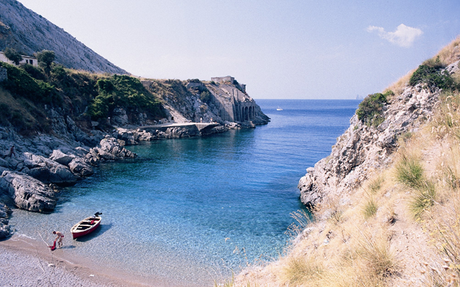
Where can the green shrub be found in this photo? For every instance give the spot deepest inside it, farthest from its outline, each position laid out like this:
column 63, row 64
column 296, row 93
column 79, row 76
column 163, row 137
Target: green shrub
column 376, row 184
column 22, row 84
column 122, row 91
column 370, row 208
column 370, row 110
column 205, row 97
column 13, row 55
column 45, row 58
column 424, row 199
column 34, row 72
column 431, row 73
column 409, row 172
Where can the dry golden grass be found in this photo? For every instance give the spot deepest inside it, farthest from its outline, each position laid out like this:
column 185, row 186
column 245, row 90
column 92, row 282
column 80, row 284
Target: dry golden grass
column 399, row 86
column 450, row 53
column 402, row 227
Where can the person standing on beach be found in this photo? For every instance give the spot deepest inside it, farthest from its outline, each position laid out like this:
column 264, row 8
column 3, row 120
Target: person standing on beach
column 58, row 239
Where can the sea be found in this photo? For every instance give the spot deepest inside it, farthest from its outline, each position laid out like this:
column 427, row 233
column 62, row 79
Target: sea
column 195, row 211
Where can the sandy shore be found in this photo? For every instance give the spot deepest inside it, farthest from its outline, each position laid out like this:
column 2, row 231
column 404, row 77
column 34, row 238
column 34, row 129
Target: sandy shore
column 27, row 262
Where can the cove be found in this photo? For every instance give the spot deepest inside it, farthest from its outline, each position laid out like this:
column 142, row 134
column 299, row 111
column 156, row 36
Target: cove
column 194, row 210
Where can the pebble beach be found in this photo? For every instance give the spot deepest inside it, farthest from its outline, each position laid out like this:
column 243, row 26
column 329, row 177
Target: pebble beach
column 26, row 262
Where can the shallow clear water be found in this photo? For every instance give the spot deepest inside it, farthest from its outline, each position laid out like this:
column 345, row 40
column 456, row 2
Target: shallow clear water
column 193, row 210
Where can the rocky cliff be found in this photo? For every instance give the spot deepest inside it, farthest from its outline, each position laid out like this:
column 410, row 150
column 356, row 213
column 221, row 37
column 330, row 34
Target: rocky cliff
column 365, row 148
column 28, row 32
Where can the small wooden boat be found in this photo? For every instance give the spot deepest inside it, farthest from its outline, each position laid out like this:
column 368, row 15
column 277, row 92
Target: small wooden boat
column 86, row 226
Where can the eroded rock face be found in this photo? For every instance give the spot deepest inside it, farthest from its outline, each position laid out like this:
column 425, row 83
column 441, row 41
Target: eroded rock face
column 362, row 149
column 27, row 192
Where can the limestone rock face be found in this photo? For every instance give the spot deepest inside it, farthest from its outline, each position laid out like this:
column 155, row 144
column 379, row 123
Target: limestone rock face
column 362, row 149
column 225, row 103
column 27, row 192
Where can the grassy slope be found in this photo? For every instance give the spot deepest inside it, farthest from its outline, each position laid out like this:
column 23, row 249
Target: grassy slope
column 402, row 227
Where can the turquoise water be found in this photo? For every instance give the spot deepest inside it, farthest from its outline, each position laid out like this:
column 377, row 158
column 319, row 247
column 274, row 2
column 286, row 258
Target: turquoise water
column 194, row 210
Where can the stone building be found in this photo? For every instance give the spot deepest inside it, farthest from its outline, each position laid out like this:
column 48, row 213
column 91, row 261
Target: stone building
column 25, row 60
column 228, row 79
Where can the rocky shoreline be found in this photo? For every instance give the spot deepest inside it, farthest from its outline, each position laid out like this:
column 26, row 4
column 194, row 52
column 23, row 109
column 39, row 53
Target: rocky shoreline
column 33, row 169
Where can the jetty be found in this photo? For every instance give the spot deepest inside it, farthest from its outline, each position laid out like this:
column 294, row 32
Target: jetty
column 201, row 127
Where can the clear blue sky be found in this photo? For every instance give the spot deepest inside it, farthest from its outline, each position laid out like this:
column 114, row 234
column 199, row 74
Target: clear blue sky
column 280, row 49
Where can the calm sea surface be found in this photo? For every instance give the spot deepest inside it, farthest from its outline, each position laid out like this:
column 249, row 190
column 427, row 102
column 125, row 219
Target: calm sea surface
column 194, row 210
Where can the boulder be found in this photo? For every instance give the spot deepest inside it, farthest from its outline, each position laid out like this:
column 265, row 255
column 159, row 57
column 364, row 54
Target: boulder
column 80, row 168
column 60, row 157
column 109, row 149
column 27, row 192
column 48, row 171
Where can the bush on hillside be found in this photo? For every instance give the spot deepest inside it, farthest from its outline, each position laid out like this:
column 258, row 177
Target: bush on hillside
column 205, row 97
column 432, row 73
column 13, row 55
column 34, row 72
column 22, row 84
column 45, row 58
column 370, row 110
column 122, row 91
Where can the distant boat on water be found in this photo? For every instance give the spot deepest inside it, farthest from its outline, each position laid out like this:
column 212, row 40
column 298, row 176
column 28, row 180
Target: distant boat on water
column 279, row 109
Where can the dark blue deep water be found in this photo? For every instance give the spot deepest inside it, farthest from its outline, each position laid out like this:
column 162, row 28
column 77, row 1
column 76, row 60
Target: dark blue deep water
column 194, row 210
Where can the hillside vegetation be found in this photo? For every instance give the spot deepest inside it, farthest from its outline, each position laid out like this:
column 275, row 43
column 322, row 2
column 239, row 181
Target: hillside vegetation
column 29, row 94
column 402, row 225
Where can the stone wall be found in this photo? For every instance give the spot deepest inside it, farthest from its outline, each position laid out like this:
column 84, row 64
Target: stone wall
column 223, row 79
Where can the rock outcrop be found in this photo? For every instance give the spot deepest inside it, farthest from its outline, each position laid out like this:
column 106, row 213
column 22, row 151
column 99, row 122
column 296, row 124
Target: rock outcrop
column 362, row 149
column 29, row 179
column 110, row 149
column 28, row 32
column 198, row 101
column 27, row 192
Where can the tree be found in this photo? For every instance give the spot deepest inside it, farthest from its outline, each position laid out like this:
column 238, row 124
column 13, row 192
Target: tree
column 45, row 58
column 13, row 55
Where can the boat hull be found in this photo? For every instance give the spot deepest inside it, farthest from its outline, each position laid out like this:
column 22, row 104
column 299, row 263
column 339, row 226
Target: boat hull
column 85, row 227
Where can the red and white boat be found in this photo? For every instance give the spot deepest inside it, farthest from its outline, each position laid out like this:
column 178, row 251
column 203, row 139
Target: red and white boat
column 86, row 226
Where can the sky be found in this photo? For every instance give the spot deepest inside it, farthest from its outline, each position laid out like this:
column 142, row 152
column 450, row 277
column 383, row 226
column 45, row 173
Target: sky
column 286, row 49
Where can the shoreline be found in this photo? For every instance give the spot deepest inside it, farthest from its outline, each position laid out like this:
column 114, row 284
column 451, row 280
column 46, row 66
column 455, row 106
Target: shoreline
column 29, row 262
